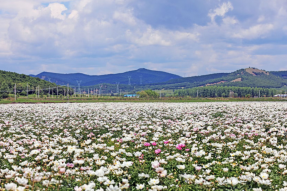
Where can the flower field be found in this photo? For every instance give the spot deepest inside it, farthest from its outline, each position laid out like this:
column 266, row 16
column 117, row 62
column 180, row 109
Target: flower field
column 143, row 146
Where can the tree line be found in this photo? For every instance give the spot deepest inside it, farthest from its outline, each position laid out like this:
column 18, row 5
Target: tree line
column 224, row 91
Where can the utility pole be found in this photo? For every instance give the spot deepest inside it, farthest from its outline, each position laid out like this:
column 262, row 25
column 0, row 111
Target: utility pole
column 197, row 94
column 27, row 91
column 160, row 93
column 88, row 92
column 57, row 92
column 100, row 90
column 259, row 93
column 49, row 92
column 79, row 86
column 15, row 92
column 68, row 92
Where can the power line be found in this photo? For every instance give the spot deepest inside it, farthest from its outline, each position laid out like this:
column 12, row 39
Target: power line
column 118, row 83
column 79, row 85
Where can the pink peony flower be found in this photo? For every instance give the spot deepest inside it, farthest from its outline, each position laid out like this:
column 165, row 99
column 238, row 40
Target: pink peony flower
column 147, row 144
column 157, row 151
column 166, row 142
column 182, row 145
column 154, row 143
column 70, row 165
column 178, row 147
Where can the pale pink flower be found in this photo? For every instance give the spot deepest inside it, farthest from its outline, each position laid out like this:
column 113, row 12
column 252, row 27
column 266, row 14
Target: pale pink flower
column 154, row 143
column 198, row 168
column 62, row 170
column 78, row 188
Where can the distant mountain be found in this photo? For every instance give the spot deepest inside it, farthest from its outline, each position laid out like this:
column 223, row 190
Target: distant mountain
column 249, row 77
column 195, row 79
column 137, row 77
column 282, row 74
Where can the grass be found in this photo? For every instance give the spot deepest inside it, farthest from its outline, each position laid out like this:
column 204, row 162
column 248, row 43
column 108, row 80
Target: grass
column 121, row 99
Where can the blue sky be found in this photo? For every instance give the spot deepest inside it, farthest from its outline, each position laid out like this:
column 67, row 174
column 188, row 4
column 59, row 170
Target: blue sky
column 186, row 37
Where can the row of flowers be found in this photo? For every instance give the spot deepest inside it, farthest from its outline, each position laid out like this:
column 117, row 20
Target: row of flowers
column 144, row 146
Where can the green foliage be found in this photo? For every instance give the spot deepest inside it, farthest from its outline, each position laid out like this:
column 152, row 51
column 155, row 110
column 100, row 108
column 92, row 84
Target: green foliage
column 142, row 94
column 5, row 95
column 148, row 93
column 9, row 79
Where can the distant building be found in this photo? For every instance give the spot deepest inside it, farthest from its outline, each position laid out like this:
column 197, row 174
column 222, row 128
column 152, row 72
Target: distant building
column 131, row 95
column 281, row 95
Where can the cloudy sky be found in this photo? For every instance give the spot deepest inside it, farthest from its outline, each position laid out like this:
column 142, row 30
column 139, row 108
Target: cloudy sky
column 185, row 37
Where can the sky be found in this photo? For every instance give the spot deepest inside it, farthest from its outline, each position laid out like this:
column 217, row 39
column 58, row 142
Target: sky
column 185, row 37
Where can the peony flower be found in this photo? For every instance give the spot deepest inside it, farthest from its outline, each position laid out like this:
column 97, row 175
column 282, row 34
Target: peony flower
column 62, row 170
column 155, row 164
column 147, row 144
column 264, row 175
column 233, row 181
column 157, row 151
column 225, row 169
column 154, row 143
column 181, row 167
column 22, row 181
column 11, row 186
column 78, row 188
column 100, row 173
column 153, row 182
column 140, row 186
column 198, row 168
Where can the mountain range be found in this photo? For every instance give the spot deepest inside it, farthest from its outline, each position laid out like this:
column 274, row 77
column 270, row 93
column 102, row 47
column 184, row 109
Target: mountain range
column 150, row 79
column 135, row 77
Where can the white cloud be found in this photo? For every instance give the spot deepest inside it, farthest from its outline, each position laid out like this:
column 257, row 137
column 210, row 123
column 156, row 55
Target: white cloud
column 73, row 15
column 148, row 37
column 56, row 10
column 257, row 31
column 220, row 11
column 125, row 17
column 93, row 33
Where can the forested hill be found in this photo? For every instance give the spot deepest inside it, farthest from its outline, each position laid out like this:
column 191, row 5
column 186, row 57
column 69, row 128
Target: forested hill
column 195, row 79
column 9, row 79
column 249, row 77
column 137, row 77
column 282, row 74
